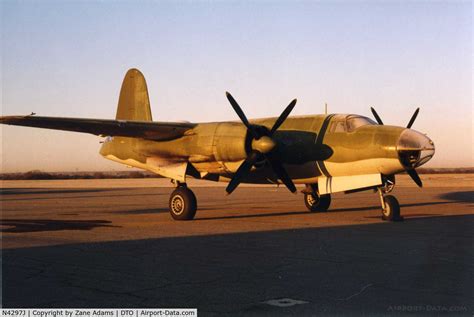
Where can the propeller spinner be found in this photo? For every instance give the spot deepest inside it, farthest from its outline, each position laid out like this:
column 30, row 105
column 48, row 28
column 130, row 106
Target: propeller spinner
column 263, row 146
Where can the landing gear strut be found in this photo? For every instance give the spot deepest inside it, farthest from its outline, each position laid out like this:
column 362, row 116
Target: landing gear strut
column 183, row 203
column 390, row 205
column 314, row 201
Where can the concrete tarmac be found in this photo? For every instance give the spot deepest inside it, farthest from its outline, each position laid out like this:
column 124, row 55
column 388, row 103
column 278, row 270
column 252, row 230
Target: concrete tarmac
column 256, row 252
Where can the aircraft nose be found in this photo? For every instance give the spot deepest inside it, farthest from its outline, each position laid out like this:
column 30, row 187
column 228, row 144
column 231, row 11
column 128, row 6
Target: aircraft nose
column 414, row 148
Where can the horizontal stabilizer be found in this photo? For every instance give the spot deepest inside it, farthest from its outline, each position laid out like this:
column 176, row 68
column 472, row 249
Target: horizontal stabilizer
column 156, row 131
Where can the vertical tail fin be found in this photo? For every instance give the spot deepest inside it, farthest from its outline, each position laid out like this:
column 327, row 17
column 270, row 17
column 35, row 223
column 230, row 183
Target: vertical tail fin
column 134, row 103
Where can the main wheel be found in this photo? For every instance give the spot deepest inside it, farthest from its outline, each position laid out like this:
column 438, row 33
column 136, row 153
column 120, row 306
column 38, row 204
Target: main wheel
column 392, row 209
column 316, row 203
column 183, row 204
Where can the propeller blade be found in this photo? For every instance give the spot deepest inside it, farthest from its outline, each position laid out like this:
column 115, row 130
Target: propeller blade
column 241, row 114
column 283, row 116
column 376, row 116
column 242, row 171
column 414, row 175
column 281, row 173
column 413, row 117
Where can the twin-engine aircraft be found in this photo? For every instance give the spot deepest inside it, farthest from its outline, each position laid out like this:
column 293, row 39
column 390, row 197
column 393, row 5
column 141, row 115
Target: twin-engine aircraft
column 327, row 153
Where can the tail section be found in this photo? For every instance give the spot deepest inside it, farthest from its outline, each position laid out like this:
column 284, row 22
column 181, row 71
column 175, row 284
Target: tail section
column 134, row 103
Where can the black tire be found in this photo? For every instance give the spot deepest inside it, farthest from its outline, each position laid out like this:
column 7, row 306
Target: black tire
column 316, row 203
column 182, row 204
column 392, row 209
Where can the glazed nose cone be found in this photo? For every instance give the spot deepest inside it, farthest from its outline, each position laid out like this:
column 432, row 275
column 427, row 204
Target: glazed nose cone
column 414, row 148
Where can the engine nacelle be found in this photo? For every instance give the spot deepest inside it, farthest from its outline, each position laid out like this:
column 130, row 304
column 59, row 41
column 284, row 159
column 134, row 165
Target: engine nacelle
column 230, row 142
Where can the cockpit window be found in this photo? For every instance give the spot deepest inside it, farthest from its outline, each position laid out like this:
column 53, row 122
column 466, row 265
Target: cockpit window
column 338, row 126
column 354, row 122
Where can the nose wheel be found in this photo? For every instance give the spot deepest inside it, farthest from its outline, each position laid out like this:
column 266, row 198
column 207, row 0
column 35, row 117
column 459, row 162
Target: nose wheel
column 390, row 207
column 183, row 203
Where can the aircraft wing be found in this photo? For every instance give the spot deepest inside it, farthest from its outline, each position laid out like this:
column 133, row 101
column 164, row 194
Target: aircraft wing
column 156, row 131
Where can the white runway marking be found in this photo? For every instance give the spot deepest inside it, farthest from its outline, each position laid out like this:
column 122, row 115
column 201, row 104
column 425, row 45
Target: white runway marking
column 284, row 302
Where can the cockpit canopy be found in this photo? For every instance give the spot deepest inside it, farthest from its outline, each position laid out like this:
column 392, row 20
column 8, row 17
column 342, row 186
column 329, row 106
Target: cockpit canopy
column 349, row 123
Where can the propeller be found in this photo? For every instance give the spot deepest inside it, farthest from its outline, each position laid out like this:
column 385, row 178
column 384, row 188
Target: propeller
column 416, row 178
column 410, row 123
column 410, row 171
column 413, row 117
column 263, row 147
column 376, row 115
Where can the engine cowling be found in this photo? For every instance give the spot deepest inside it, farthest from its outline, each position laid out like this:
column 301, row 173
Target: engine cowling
column 230, row 142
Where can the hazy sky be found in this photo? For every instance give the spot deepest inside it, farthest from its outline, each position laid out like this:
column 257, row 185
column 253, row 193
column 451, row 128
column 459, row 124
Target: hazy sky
column 67, row 58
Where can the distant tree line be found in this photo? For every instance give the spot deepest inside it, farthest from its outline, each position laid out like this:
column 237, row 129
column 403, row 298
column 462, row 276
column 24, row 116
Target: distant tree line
column 37, row 174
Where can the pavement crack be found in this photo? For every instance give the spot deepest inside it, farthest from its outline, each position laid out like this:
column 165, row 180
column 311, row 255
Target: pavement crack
column 355, row 294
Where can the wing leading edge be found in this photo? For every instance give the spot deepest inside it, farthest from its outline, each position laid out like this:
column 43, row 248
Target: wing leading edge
column 155, row 131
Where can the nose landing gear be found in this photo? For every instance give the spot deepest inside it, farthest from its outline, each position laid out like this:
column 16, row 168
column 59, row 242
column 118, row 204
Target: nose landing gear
column 390, row 205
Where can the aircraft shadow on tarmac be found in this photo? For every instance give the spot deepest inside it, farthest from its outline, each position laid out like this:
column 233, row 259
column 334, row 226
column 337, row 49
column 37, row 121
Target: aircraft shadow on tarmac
column 364, row 269
column 463, row 196
column 48, row 194
column 39, row 225
column 42, row 191
column 453, row 197
column 141, row 211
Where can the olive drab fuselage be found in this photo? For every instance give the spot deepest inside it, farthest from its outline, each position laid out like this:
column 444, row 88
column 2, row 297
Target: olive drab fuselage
column 302, row 149
column 309, row 146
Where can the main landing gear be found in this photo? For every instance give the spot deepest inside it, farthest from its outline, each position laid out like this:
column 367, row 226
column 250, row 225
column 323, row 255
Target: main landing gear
column 390, row 205
column 314, row 201
column 183, row 203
